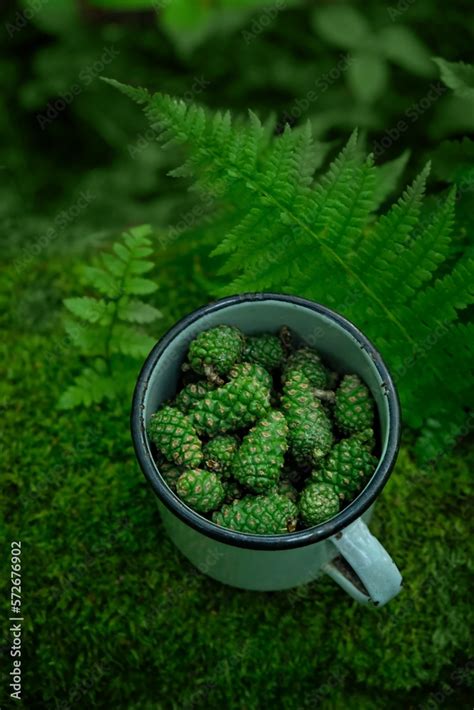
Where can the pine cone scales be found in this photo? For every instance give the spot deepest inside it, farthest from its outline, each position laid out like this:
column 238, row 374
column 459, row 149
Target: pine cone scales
column 174, row 435
column 219, row 453
column 265, row 350
column 347, row 468
column 310, row 432
column 191, row 394
column 308, row 363
column 259, row 460
column 262, row 515
column 217, row 348
column 201, row 490
column 318, row 502
column 250, row 369
column 237, row 404
column 255, row 444
column 354, row 410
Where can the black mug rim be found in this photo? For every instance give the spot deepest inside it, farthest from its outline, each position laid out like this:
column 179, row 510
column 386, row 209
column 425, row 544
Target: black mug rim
column 247, row 540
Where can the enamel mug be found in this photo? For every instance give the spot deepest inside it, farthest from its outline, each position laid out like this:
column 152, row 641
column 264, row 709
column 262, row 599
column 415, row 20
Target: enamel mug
column 342, row 547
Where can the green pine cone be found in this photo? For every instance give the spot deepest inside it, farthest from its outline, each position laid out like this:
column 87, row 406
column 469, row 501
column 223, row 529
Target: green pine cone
column 216, row 349
column 201, row 490
column 347, row 468
column 170, row 473
column 310, row 431
column 258, row 462
column 219, row 452
column 367, row 438
column 262, row 515
column 318, row 502
column 190, row 394
column 354, row 408
column 309, row 363
column 250, row 369
column 265, row 350
column 237, row 404
column 175, row 437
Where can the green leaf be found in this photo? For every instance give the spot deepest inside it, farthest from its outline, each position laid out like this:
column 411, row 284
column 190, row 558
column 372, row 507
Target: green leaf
column 92, row 310
column 393, row 229
column 426, row 251
column 457, row 76
column 139, row 266
column 138, row 312
column 401, row 46
column 135, row 286
column 114, row 265
column 92, row 386
column 95, row 331
column 122, row 252
column 367, row 76
column 100, row 279
column 342, row 26
column 54, row 18
column 88, row 338
column 131, row 342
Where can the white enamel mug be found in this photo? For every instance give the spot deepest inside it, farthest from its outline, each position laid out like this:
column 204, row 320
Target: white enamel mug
column 341, row 547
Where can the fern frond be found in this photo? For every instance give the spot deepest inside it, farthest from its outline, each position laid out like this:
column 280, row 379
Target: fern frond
column 92, row 386
column 427, row 251
column 101, row 279
column 395, row 275
column 390, row 234
column 452, row 292
column 136, row 311
column 99, row 328
column 129, row 341
column 87, row 338
column 92, row 310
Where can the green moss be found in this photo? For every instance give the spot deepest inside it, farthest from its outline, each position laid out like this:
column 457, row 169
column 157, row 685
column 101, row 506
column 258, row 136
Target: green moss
column 116, row 617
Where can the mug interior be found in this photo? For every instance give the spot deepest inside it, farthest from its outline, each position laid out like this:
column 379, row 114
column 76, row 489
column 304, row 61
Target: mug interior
column 340, row 344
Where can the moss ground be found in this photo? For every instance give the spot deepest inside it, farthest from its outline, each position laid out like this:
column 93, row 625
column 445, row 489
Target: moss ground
column 115, row 617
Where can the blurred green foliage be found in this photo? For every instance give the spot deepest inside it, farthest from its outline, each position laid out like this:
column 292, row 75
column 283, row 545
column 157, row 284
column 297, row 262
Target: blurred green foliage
column 115, row 616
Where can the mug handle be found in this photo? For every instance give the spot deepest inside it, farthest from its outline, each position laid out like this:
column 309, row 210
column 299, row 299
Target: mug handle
column 363, row 567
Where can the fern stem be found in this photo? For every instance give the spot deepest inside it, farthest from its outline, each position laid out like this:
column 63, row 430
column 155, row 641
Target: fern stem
column 113, row 320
